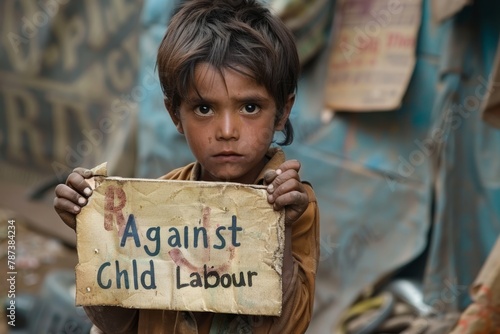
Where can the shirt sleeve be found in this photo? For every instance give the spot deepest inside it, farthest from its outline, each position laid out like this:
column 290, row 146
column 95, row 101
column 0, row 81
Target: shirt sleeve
column 298, row 297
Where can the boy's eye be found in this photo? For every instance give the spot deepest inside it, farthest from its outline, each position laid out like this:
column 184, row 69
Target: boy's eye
column 250, row 109
column 203, row 110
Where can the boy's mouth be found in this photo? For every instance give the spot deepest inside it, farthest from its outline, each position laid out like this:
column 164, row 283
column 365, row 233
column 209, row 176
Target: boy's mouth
column 227, row 153
column 228, row 156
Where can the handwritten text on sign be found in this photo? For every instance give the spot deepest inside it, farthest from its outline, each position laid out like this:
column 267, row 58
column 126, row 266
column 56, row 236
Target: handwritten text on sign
column 180, row 245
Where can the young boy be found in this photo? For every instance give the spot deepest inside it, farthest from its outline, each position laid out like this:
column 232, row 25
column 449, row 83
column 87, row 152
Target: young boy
column 229, row 71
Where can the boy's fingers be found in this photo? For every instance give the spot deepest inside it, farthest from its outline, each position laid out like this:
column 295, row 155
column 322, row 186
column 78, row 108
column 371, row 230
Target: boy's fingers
column 67, row 210
column 84, row 172
column 65, row 192
column 281, row 179
column 269, row 176
column 290, row 185
column 289, row 164
column 63, row 205
column 77, row 182
column 293, row 198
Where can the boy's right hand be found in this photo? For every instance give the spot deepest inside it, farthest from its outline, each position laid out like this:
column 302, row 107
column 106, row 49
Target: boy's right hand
column 72, row 196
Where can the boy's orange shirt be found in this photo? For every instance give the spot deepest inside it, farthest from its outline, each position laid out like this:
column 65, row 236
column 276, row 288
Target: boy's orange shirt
column 299, row 297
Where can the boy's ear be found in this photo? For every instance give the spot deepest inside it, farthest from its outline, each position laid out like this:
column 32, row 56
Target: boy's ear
column 173, row 116
column 286, row 113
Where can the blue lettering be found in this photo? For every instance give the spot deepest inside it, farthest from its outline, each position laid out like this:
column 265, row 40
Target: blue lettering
column 221, row 238
column 119, row 274
column 175, row 239
column 99, row 275
column 196, row 236
column 130, row 231
column 234, row 230
column 155, row 238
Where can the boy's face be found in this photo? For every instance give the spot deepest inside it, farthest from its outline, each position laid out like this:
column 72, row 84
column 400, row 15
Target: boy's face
column 230, row 125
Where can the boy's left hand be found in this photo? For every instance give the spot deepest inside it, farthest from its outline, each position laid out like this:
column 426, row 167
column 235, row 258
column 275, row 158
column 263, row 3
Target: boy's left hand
column 285, row 190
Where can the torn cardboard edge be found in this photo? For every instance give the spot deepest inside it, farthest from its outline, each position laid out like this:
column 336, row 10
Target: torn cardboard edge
column 100, row 173
column 486, row 287
column 481, row 316
column 152, row 261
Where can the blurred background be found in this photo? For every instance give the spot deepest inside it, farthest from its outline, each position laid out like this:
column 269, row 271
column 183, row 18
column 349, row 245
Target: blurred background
column 397, row 123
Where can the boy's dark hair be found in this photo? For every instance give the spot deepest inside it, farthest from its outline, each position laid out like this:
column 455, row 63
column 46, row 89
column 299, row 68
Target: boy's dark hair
column 228, row 34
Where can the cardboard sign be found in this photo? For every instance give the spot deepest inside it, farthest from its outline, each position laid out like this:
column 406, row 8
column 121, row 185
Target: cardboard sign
column 180, row 245
column 373, row 58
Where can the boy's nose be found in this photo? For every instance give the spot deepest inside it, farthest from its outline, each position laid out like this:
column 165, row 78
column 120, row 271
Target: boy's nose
column 228, row 127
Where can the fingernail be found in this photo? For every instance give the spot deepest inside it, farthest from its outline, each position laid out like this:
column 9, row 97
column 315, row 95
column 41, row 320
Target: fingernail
column 270, row 198
column 87, row 191
column 82, row 200
column 278, row 171
column 76, row 208
column 270, row 187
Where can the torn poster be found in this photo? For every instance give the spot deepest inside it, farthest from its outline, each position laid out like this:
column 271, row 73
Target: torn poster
column 373, row 57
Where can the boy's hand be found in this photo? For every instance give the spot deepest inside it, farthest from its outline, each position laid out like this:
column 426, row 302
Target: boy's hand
column 286, row 191
column 72, row 196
